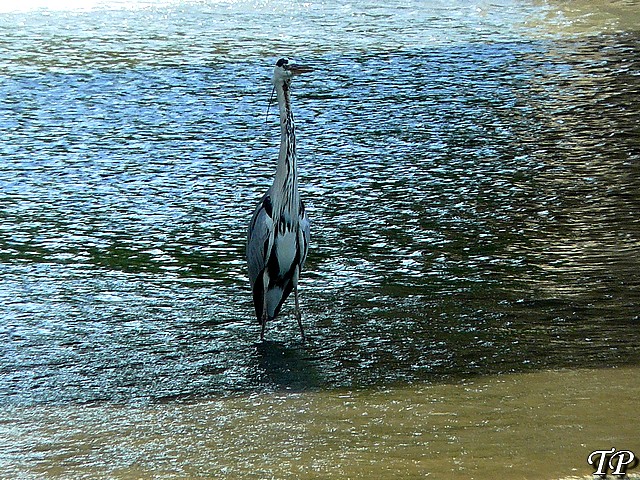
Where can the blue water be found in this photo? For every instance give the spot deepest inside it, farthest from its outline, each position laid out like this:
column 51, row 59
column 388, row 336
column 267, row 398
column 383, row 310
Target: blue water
column 471, row 173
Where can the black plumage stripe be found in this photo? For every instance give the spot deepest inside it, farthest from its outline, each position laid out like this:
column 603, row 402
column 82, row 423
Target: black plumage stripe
column 268, row 207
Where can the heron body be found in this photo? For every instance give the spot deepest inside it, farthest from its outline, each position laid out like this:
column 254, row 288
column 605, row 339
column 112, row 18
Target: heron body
column 278, row 235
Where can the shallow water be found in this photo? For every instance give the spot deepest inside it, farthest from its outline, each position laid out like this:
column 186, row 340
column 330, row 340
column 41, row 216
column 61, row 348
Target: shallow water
column 471, row 172
column 526, row 426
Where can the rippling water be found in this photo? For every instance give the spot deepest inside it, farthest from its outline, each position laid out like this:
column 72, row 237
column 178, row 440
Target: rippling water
column 472, row 173
column 533, row 426
column 475, row 204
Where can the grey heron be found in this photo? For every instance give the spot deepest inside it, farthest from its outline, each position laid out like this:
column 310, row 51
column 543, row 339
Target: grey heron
column 278, row 235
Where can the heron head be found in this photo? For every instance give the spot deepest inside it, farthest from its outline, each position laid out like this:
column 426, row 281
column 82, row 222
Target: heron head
column 285, row 70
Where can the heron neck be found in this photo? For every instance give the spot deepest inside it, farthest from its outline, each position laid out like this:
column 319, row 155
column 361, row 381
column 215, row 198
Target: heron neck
column 286, row 179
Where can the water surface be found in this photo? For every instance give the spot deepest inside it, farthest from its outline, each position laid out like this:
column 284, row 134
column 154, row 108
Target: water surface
column 472, row 173
column 531, row 426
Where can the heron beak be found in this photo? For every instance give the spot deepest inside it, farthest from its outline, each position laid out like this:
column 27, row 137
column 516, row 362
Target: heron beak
column 298, row 69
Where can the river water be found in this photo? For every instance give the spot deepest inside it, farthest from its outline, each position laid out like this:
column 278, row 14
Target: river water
column 472, row 176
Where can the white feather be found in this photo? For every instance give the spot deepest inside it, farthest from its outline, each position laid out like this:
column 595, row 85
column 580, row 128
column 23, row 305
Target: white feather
column 286, row 251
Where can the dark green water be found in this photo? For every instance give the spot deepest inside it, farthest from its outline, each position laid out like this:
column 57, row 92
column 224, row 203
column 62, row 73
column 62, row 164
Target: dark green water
column 475, row 206
column 472, row 175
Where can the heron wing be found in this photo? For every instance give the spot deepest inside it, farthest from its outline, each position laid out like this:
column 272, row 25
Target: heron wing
column 259, row 238
column 304, row 235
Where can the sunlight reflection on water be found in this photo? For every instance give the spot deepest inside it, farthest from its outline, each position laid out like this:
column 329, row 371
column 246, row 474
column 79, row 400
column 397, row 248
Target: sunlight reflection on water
column 474, row 204
column 540, row 425
column 471, row 172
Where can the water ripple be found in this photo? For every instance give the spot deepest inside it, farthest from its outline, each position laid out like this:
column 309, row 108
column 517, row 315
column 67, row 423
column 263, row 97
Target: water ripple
column 474, row 208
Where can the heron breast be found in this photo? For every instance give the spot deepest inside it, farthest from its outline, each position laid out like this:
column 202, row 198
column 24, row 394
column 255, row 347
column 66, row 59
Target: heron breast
column 286, row 245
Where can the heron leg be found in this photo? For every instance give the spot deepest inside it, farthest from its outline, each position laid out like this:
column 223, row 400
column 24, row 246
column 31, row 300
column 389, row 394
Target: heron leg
column 262, row 327
column 298, row 313
column 265, row 315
